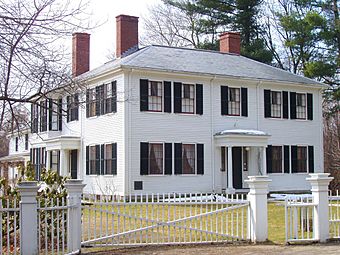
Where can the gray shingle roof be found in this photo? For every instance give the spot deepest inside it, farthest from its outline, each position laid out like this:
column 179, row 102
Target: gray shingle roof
column 186, row 60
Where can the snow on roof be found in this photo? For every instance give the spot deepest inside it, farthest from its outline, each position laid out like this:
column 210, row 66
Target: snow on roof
column 242, row 132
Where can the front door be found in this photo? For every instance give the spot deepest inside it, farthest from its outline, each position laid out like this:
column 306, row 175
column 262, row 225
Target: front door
column 74, row 163
column 237, row 167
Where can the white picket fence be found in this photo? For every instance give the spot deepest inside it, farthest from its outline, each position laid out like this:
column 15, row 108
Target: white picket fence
column 163, row 219
column 334, row 214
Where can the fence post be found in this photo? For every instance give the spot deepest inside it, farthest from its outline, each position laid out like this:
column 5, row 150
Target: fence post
column 74, row 191
column 28, row 217
column 319, row 183
column 258, row 212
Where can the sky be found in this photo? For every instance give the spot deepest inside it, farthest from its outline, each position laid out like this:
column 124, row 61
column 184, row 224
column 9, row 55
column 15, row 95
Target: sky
column 103, row 38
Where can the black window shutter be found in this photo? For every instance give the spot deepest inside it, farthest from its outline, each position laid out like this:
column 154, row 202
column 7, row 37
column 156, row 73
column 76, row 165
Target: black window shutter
column 97, row 101
column 311, row 159
column 32, row 116
column 267, row 104
column 98, row 159
column 244, row 99
column 168, row 159
column 68, row 108
column 224, row 100
column 199, row 99
column 167, row 96
column 144, row 158
column 144, row 92
column 76, row 101
column 114, row 158
column 200, row 159
column 285, row 104
column 102, row 160
column 286, row 164
column 178, row 158
column 87, row 160
column 101, row 98
column 60, row 113
column 87, row 103
column 269, row 159
column 114, row 96
column 310, row 106
column 293, row 105
column 50, row 166
column 294, row 158
column 177, row 97
column 50, row 112
column 31, row 155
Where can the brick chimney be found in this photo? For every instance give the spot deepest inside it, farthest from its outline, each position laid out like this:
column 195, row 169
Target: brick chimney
column 230, row 42
column 127, row 34
column 80, row 53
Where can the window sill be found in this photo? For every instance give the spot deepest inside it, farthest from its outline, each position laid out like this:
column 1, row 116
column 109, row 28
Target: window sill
column 188, row 114
column 235, row 116
column 156, row 112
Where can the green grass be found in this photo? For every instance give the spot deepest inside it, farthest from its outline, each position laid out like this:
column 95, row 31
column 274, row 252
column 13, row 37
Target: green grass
column 276, row 223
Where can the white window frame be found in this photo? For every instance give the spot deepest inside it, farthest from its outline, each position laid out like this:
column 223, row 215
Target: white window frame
column 193, row 99
column 240, row 103
column 301, row 107
column 163, row 167
column 195, row 160
column 150, row 97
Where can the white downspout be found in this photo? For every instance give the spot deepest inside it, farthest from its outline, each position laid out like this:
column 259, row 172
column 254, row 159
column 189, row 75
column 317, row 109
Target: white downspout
column 212, row 134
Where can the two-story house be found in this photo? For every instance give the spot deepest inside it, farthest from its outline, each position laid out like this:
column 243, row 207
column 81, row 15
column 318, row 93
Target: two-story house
column 165, row 119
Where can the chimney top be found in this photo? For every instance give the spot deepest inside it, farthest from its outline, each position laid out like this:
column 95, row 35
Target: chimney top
column 80, row 53
column 230, row 42
column 126, row 34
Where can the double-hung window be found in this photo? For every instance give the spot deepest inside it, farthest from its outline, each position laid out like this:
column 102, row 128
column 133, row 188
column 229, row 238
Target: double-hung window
column 55, row 160
column 54, row 119
column 234, row 101
column 92, row 160
column 188, row 158
column 91, row 102
column 301, row 159
column 300, row 106
column 34, row 118
column 155, row 96
column 276, row 104
column 110, row 97
column 188, row 98
column 43, row 116
column 277, row 159
column 110, row 156
column 72, row 107
column 156, row 158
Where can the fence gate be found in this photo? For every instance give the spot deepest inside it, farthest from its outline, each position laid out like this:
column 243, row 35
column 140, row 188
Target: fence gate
column 163, row 219
column 299, row 219
column 334, row 215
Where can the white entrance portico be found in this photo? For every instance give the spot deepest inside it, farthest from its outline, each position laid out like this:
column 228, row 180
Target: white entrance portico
column 243, row 153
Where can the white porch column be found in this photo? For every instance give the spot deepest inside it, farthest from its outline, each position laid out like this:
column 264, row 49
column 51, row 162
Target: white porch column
column 264, row 161
column 28, row 217
column 62, row 162
column 230, row 171
column 319, row 183
column 258, row 211
column 48, row 160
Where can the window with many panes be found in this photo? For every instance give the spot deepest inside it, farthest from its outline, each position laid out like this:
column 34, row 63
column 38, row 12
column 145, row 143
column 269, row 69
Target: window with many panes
column 188, row 98
column 234, row 101
column 43, row 116
column 155, row 96
column 54, row 118
column 276, row 159
column 35, row 118
column 72, row 107
column 108, row 159
column 188, row 158
column 301, row 159
column 276, row 104
column 91, row 102
column 156, row 158
column 108, row 95
column 300, row 106
column 54, row 160
column 92, row 160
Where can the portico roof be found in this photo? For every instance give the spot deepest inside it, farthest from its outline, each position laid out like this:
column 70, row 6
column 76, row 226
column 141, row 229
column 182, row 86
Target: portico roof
column 241, row 137
column 60, row 143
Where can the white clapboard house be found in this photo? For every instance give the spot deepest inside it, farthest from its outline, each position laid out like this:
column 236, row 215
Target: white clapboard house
column 166, row 119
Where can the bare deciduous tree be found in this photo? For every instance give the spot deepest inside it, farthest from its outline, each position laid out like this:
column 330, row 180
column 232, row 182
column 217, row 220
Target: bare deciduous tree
column 33, row 58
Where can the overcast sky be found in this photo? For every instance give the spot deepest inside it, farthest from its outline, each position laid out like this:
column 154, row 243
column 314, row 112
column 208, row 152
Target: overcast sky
column 103, row 38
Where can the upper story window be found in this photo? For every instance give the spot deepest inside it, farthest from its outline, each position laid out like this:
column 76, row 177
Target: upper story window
column 16, row 143
column 54, row 118
column 34, row 118
column 72, row 107
column 300, row 106
column 276, row 104
column 234, row 101
column 188, row 98
column 155, row 96
column 43, row 116
column 101, row 99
